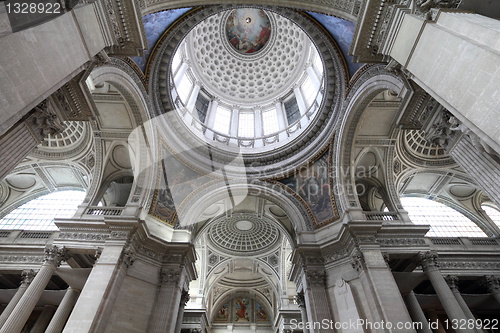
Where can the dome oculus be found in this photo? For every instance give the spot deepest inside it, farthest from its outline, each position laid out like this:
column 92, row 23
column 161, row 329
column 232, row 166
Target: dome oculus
column 248, row 30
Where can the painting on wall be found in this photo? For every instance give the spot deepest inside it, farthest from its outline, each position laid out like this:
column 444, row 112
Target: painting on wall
column 241, row 309
column 222, row 315
column 260, row 313
column 313, row 184
column 177, row 182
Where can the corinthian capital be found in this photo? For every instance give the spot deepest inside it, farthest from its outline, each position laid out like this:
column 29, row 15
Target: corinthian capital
column 27, row 276
column 428, row 260
column 55, row 255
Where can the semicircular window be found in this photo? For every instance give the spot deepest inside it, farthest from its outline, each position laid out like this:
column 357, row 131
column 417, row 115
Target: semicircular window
column 39, row 214
column 444, row 221
column 493, row 213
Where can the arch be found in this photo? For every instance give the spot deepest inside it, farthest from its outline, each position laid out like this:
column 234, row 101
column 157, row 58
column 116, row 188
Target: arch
column 216, row 191
column 141, row 141
column 373, row 80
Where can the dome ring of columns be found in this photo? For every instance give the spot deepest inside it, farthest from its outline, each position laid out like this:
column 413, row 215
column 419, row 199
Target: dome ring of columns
column 214, row 192
column 373, row 81
column 267, row 163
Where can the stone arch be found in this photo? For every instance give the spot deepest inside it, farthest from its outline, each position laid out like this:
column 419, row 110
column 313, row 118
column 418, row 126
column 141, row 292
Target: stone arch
column 372, row 81
column 141, row 140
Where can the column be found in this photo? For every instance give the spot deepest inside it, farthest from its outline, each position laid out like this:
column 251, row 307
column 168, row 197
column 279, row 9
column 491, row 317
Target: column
column 63, row 311
column 314, row 77
column 453, row 284
column 434, row 319
column 382, row 293
column 180, row 74
column 212, row 110
column 164, row 316
column 301, row 301
column 481, row 165
column 428, row 261
column 44, row 319
column 416, row 312
column 282, row 124
column 493, row 285
column 316, row 297
column 93, row 307
column 23, row 309
column 301, row 104
column 257, row 119
column 27, row 276
column 190, row 105
column 235, row 118
column 182, row 306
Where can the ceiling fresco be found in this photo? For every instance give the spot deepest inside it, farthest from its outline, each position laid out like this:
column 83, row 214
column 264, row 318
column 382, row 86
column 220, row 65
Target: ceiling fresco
column 341, row 30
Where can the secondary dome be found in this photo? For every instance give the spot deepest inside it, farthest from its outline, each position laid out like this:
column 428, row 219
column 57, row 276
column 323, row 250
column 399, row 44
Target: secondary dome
column 248, row 29
column 244, row 233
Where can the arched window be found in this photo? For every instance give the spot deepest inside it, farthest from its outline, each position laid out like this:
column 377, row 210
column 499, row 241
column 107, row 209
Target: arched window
column 493, row 213
column 444, row 221
column 39, row 214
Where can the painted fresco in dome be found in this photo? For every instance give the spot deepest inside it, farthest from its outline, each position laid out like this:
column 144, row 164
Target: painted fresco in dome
column 248, row 29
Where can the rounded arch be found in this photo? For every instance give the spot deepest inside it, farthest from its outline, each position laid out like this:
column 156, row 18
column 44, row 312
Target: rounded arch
column 374, row 80
column 229, row 295
column 141, row 139
column 202, row 199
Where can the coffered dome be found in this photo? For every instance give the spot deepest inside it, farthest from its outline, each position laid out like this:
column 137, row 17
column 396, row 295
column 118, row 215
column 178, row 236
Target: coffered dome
column 245, row 234
column 246, row 81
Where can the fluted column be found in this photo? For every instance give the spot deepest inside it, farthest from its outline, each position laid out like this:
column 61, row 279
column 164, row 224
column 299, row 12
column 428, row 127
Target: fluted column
column 416, row 312
column 453, row 284
column 318, row 305
column 164, row 316
column 63, row 311
column 27, row 276
column 493, row 285
column 22, row 311
column 434, row 319
column 182, row 305
column 301, row 301
column 428, row 261
column 44, row 319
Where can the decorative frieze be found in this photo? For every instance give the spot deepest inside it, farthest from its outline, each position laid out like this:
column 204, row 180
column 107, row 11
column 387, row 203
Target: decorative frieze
column 472, row 265
column 83, row 236
column 403, row 242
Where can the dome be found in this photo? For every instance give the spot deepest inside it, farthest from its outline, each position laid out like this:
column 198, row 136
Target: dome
column 246, row 81
column 245, row 234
